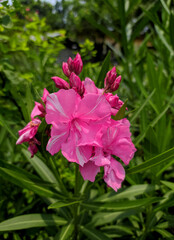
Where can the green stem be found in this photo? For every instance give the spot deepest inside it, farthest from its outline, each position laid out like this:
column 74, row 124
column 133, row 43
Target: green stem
column 76, row 193
column 57, row 175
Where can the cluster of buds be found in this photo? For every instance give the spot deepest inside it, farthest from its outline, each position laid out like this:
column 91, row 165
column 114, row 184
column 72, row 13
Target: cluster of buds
column 73, row 66
column 112, row 82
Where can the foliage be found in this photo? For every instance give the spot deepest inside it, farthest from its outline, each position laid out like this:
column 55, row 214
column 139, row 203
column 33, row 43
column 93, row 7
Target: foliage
column 143, row 208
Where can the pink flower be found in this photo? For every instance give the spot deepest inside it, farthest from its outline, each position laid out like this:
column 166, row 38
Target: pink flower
column 115, row 140
column 75, row 66
column 27, row 9
column 71, row 117
column 39, row 109
column 27, row 134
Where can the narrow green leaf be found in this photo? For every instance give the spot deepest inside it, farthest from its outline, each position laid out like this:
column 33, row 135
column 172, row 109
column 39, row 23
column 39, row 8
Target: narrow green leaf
column 171, row 28
column 104, row 70
column 94, row 234
column 142, row 106
column 166, row 235
column 121, row 112
column 60, row 204
column 65, row 232
column 103, row 218
column 120, row 206
column 165, row 6
column 18, row 178
column 40, row 167
column 129, row 192
column 121, row 11
column 153, row 162
column 168, row 184
column 31, row 221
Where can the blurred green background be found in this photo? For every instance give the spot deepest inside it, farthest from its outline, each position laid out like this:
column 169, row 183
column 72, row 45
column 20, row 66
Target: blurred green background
column 35, row 37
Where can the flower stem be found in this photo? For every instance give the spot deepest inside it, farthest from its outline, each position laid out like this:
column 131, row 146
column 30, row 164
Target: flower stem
column 76, row 193
column 57, row 175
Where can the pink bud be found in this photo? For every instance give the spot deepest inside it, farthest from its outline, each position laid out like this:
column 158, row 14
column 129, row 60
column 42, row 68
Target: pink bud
column 75, row 82
column 110, row 77
column 77, row 64
column 115, row 84
column 65, row 69
column 27, row 9
column 60, row 83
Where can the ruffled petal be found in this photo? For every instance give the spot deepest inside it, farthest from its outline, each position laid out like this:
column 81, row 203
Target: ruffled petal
column 59, row 134
column 94, row 107
column 37, row 110
column 61, row 105
column 75, row 153
column 114, row 174
column 89, row 171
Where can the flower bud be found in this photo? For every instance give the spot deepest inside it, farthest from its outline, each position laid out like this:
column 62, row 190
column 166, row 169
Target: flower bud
column 60, row 83
column 75, row 82
column 75, row 66
column 115, row 84
column 65, row 69
column 110, row 76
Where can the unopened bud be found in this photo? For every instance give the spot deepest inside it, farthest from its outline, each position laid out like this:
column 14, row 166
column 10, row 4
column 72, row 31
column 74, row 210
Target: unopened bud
column 115, row 84
column 73, row 66
column 60, row 83
column 75, row 82
column 65, row 69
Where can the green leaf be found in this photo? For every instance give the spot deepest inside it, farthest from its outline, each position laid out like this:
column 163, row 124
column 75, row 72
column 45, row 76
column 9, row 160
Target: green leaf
column 60, row 204
column 104, row 70
column 171, row 28
column 6, row 20
column 166, row 235
column 31, row 221
column 121, row 112
column 142, row 107
column 103, row 218
column 25, row 181
column 168, row 184
column 94, row 234
column 153, row 162
column 119, row 206
column 129, row 192
column 40, row 167
column 121, row 11
column 65, row 232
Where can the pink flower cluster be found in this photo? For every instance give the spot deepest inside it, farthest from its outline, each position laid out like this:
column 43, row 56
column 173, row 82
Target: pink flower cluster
column 81, row 124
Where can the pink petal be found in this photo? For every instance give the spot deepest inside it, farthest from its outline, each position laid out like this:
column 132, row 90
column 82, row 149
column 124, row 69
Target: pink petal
column 61, row 106
column 59, row 134
column 114, row 174
column 90, row 86
column 94, row 107
column 99, row 158
column 33, row 149
column 37, row 110
column 75, row 153
column 116, row 140
column 89, row 171
column 45, row 94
